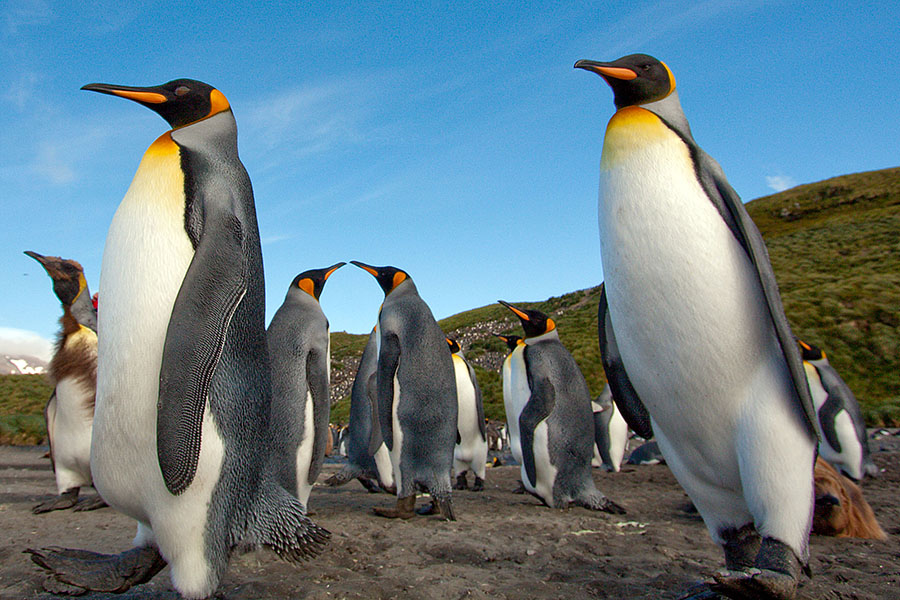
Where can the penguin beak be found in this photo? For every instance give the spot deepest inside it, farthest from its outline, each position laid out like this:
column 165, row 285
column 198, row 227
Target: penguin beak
column 518, row 312
column 332, row 269
column 38, row 257
column 371, row 270
column 143, row 95
column 605, row 70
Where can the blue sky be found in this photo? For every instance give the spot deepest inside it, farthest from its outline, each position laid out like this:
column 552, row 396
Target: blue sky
column 453, row 140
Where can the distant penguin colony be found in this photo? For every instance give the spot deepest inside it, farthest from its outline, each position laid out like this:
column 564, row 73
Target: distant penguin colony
column 210, row 430
column 181, row 438
column 300, row 354
column 69, row 414
column 470, row 452
column 416, row 391
column 842, row 431
column 693, row 320
column 555, row 421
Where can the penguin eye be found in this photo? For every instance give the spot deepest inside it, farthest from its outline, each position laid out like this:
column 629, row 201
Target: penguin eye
column 182, row 90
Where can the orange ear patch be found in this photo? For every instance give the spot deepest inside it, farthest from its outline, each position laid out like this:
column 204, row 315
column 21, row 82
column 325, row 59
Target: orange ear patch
column 218, row 101
column 307, row 286
column 399, row 277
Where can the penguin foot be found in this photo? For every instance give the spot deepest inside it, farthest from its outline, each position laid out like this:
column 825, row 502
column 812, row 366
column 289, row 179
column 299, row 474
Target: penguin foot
column 755, row 584
column 478, row 485
column 403, row 510
column 600, row 502
column 521, row 489
column 461, row 482
column 67, row 499
column 92, row 571
column 741, row 546
column 370, row 485
column 90, row 504
column 445, row 507
column 428, row 509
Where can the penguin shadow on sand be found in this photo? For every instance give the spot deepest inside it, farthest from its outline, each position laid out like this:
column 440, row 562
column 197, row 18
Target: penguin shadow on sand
column 415, row 387
column 69, row 413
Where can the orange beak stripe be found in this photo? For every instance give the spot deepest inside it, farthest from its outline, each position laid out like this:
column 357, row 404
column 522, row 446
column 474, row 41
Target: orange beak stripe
column 519, row 313
column 616, row 73
column 328, row 274
column 369, row 270
column 149, row 97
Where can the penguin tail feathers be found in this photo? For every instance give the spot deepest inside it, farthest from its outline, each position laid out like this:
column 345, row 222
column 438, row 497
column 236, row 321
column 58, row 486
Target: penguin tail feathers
column 279, row 522
column 348, row 473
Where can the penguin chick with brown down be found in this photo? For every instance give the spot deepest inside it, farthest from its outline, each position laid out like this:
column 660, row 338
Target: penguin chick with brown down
column 181, row 440
column 300, row 353
column 416, row 391
column 694, row 339
column 556, row 423
column 69, row 414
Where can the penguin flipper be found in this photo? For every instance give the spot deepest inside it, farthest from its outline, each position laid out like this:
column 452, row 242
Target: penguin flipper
column 375, row 437
column 213, row 287
column 50, row 423
column 836, row 387
column 388, row 362
column 624, row 394
column 317, row 380
column 827, row 413
column 729, row 205
column 538, row 408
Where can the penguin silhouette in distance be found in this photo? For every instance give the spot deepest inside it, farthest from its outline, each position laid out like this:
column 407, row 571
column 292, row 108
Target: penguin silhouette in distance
column 181, row 425
column 69, row 413
column 416, row 391
column 693, row 335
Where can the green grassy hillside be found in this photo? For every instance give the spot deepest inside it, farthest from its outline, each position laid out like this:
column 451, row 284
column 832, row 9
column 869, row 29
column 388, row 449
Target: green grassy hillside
column 835, row 248
column 22, row 401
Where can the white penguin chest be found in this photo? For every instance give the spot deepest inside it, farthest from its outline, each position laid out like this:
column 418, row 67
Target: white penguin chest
column 684, row 299
column 519, row 393
column 145, row 259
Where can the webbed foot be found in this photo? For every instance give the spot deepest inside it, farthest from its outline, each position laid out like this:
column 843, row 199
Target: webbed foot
column 67, row 499
column 91, row 504
column 92, row 571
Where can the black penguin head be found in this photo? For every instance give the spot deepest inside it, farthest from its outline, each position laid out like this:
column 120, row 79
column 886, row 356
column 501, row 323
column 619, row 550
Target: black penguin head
column 634, row 79
column 454, row 345
column 810, row 352
column 511, row 340
column 313, row 281
column 67, row 275
column 387, row 277
column 534, row 322
column 180, row 102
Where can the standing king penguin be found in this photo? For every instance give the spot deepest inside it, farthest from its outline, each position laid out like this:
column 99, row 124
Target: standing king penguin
column 300, row 354
column 693, row 335
column 471, row 448
column 416, row 391
column 181, row 438
column 555, row 423
column 515, row 390
column 610, row 431
column 69, row 414
column 842, row 431
column 364, row 430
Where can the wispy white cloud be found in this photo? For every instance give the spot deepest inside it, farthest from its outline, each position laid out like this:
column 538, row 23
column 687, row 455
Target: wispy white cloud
column 22, row 341
column 22, row 91
column 25, row 13
column 779, row 183
column 55, row 163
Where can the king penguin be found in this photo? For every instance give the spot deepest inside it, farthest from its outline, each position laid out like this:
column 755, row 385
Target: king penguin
column 556, row 428
column 842, row 431
column 470, row 453
column 69, row 414
column 610, row 431
column 416, row 391
column 515, row 391
column 364, row 430
column 693, row 335
column 181, row 438
column 300, row 354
